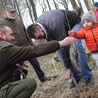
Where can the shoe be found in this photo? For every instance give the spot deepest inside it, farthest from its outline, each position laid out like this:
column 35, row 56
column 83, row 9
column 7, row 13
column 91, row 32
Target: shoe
column 45, row 78
column 72, row 85
column 90, row 82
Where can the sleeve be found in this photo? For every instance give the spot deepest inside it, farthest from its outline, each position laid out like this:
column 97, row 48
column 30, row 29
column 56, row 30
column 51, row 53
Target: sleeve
column 80, row 34
column 16, row 54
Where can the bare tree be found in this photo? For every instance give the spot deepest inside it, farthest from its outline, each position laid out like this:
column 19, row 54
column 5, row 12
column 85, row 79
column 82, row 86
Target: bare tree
column 48, row 4
column 33, row 8
column 74, row 4
column 93, row 1
column 64, row 3
column 30, row 11
column 17, row 6
column 89, row 5
column 55, row 4
column 79, row 2
column 43, row 5
column 1, row 10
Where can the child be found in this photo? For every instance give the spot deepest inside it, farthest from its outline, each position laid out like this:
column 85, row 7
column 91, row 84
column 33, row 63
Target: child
column 89, row 32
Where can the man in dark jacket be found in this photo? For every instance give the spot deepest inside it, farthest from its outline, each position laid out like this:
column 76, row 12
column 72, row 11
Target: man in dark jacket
column 10, row 55
column 54, row 25
column 21, row 37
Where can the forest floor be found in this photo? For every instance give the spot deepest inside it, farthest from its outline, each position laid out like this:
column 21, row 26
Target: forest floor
column 58, row 85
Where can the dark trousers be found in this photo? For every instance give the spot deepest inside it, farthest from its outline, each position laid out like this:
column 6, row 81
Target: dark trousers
column 17, row 73
column 34, row 62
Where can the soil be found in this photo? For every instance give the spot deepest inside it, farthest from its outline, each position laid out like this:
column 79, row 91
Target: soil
column 58, row 86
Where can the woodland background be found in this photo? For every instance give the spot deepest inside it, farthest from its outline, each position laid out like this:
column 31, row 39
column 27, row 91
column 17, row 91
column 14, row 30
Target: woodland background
column 29, row 10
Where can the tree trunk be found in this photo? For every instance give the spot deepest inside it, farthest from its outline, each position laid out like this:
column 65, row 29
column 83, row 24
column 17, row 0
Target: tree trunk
column 18, row 11
column 65, row 3
column 89, row 5
column 80, row 5
column 74, row 4
column 34, row 9
column 55, row 4
column 43, row 5
column 30, row 11
column 48, row 4
column 93, row 1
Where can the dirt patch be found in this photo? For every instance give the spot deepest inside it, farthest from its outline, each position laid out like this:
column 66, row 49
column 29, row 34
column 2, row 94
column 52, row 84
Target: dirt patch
column 57, row 87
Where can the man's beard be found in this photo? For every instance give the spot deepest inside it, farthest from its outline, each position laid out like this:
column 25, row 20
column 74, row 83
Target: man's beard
column 10, row 17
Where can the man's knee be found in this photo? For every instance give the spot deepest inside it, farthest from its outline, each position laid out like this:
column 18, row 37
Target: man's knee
column 32, row 83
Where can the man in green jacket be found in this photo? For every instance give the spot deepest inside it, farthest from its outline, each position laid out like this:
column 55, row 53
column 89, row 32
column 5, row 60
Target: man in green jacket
column 10, row 55
column 21, row 37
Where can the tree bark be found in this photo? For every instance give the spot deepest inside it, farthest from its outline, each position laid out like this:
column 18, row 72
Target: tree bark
column 89, row 5
column 48, row 4
column 55, row 4
column 34, row 9
column 74, row 4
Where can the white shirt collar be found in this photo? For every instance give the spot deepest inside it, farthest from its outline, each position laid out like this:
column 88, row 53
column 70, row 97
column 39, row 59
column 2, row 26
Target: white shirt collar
column 43, row 29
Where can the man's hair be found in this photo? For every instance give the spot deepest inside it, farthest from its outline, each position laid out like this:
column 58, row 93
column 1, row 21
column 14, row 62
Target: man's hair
column 31, row 30
column 2, row 29
column 78, row 10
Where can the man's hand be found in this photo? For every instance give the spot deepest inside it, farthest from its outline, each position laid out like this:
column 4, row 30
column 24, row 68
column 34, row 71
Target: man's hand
column 72, row 33
column 67, row 41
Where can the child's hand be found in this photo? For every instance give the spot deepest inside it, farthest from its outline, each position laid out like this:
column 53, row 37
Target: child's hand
column 68, row 73
column 72, row 33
